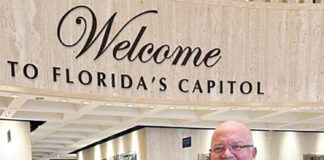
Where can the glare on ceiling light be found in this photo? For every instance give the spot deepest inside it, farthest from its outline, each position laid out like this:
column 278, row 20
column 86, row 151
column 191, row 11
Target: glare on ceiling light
column 108, row 104
column 294, row 108
column 212, row 108
column 274, row 109
column 315, row 108
column 130, row 105
column 64, row 100
column 253, row 109
column 234, row 109
column 85, row 102
column 15, row 95
column 193, row 108
column 172, row 107
column 151, row 106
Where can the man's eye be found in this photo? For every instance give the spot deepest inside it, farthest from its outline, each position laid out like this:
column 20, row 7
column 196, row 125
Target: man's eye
column 220, row 148
column 236, row 147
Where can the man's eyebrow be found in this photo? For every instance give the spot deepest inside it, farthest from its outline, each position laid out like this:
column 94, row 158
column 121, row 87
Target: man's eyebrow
column 218, row 143
column 237, row 142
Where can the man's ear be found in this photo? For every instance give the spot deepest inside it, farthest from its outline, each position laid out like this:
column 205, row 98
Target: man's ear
column 254, row 152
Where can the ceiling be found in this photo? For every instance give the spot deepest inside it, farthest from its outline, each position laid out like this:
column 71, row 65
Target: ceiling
column 75, row 123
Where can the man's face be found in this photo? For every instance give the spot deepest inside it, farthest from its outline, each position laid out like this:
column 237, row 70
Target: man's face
column 232, row 152
column 231, row 144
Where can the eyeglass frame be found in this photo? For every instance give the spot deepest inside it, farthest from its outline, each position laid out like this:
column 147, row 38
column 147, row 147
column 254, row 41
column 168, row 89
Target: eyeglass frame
column 230, row 147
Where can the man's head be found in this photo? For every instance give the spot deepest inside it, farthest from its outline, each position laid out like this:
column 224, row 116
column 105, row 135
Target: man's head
column 232, row 141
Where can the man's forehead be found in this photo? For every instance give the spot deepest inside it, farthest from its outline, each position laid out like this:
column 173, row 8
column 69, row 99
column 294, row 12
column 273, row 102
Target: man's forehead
column 231, row 130
column 229, row 138
column 230, row 135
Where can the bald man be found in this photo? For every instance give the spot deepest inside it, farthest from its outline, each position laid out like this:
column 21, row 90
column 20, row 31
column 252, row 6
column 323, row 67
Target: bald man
column 232, row 141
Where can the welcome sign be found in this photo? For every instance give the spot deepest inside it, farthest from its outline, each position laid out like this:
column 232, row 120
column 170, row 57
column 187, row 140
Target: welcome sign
column 161, row 51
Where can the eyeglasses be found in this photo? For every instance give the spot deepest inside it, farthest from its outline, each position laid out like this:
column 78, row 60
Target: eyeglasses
column 234, row 148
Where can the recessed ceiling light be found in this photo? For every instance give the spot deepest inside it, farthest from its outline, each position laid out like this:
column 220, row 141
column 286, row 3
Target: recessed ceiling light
column 172, row 107
column 212, row 109
column 233, row 108
column 15, row 95
column 108, row 104
column 64, row 100
column 315, row 108
column 192, row 108
column 85, row 102
column 151, row 106
column 130, row 105
column 294, row 108
column 39, row 98
column 253, row 109
column 274, row 108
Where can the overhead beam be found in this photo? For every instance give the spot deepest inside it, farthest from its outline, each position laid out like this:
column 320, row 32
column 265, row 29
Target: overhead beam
column 127, row 123
column 13, row 107
column 265, row 116
column 299, row 122
column 202, row 117
column 68, row 118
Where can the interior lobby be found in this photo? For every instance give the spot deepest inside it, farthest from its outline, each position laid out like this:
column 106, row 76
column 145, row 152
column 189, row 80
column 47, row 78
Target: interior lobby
column 152, row 79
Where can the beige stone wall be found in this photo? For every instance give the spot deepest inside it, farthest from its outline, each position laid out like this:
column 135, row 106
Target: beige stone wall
column 20, row 145
column 270, row 145
column 279, row 45
column 163, row 143
column 134, row 142
column 288, row 145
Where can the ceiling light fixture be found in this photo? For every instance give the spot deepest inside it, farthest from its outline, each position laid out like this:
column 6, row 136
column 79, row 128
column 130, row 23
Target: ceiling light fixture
column 64, row 100
column 172, row 107
column 234, row 109
column 274, row 108
column 85, row 102
column 39, row 98
column 130, row 105
column 151, row 106
column 14, row 95
column 108, row 104
column 192, row 108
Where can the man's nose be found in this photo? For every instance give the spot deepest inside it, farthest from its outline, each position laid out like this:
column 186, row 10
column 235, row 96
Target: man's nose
column 227, row 153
